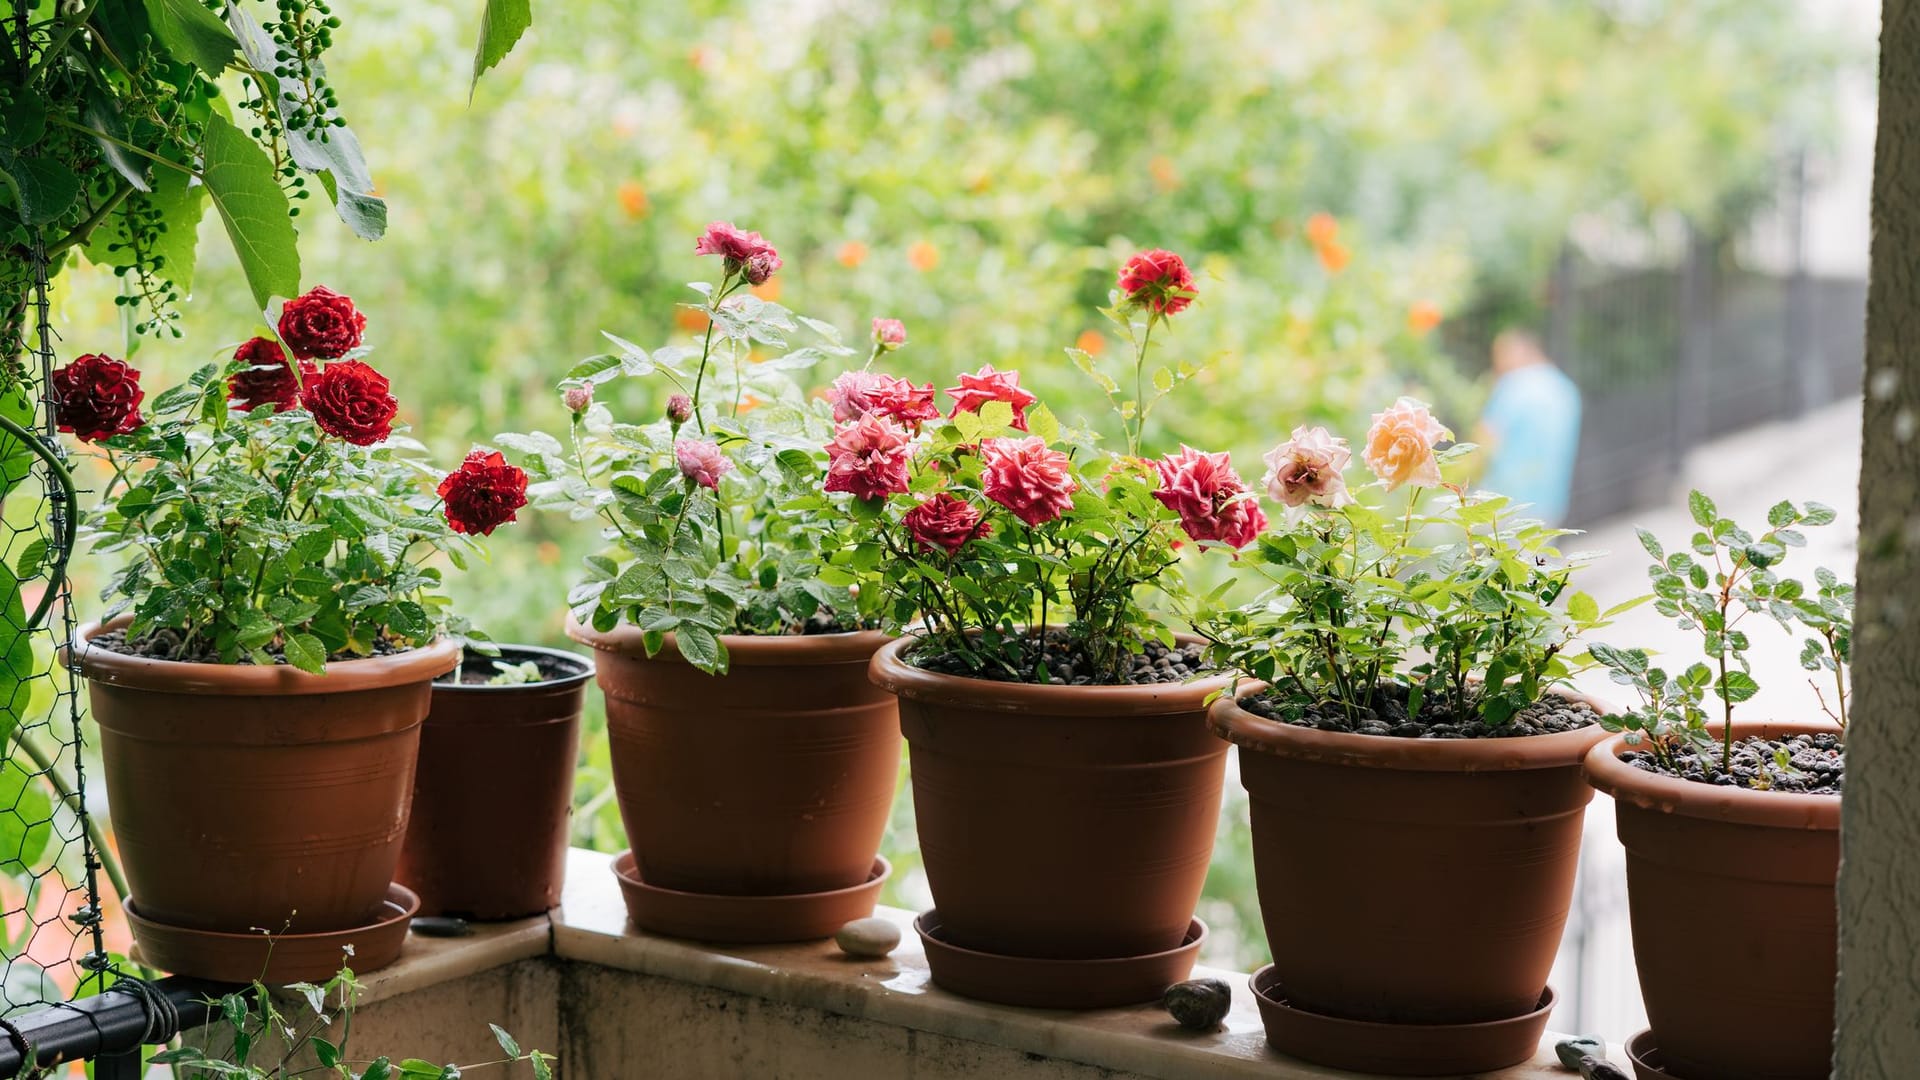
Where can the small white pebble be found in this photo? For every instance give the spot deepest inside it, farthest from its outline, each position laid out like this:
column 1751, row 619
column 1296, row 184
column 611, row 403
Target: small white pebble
column 868, row 938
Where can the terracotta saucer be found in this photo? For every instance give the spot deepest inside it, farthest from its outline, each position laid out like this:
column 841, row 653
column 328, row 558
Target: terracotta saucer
column 745, row 920
column 1397, row 1049
column 280, row 958
column 1055, row 984
column 1648, row 1064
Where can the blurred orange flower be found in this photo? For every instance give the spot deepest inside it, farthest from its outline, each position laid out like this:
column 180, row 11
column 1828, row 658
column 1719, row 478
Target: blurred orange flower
column 1333, row 255
column 852, row 254
column 940, row 37
column 768, row 290
column 750, row 403
column 1423, row 316
column 1165, row 176
column 692, row 320
column 633, row 199
column 697, row 56
column 1322, row 229
column 548, row 553
column 923, row 256
column 1091, row 342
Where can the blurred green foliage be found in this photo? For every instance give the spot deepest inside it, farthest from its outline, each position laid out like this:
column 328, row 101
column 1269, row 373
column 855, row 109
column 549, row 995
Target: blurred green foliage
column 980, row 170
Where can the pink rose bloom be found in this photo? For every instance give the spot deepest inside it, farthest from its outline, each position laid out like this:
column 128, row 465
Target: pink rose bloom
column 577, row 398
column 1028, row 478
column 1306, row 471
column 857, row 393
column 744, row 252
column 987, row 385
column 1157, row 280
column 889, row 334
column 946, row 523
column 1400, row 445
column 701, row 461
column 869, row 458
column 1210, row 498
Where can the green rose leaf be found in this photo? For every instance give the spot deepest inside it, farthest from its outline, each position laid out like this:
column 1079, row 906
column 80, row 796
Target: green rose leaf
column 501, row 25
column 305, row 652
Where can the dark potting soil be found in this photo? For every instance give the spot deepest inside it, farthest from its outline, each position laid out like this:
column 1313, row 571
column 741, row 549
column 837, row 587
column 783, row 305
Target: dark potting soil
column 820, row 623
column 1813, row 764
column 1550, row 715
column 171, row 645
column 477, row 670
column 1071, row 666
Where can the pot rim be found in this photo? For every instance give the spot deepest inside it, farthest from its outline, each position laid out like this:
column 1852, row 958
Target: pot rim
column 1740, row 806
column 421, row 664
column 891, row 672
column 743, row 650
column 585, row 672
column 1561, row 749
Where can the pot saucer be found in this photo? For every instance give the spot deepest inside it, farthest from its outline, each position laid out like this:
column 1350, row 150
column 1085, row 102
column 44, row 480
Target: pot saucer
column 1043, row 983
column 1648, row 1062
column 745, row 920
column 221, row 956
column 1396, row 1049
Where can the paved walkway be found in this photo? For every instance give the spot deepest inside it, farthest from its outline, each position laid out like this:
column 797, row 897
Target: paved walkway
column 1815, row 457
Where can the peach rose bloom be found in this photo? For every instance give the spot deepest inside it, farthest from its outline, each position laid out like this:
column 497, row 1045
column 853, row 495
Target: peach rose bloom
column 1306, row 471
column 1400, row 445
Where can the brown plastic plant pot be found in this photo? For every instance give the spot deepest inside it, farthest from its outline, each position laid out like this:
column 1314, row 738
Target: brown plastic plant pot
column 279, row 958
column 1411, row 881
column 1059, row 822
column 248, row 797
column 774, row 779
column 1368, row 1046
column 494, row 790
column 1731, row 896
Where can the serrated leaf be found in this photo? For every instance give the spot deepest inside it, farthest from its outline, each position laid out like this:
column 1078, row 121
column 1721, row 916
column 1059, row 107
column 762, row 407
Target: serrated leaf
column 1582, row 608
column 1701, row 508
column 700, row 647
column 191, row 32
column 1781, row 514
column 240, row 180
column 304, row 651
column 1042, row 422
column 505, row 1040
column 44, row 189
column 501, row 24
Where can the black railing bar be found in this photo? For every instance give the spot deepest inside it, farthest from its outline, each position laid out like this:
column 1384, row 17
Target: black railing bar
column 113, row 1022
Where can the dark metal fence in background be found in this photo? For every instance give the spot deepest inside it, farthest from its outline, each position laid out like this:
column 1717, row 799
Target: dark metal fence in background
column 1670, row 356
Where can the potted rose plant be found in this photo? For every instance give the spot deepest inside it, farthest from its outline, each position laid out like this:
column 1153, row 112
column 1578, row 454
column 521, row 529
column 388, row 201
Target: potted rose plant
column 1737, row 818
column 753, row 763
column 1065, row 788
column 261, row 671
column 1411, row 754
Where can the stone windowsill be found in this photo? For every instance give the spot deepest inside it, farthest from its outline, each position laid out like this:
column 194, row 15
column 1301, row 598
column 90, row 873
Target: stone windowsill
column 590, row 929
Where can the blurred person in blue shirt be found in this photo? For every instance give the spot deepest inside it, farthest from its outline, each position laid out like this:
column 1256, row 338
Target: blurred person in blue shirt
column 1530, row 429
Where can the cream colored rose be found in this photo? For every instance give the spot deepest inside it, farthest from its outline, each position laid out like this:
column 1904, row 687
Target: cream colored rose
column 1400, row 445
column 1306, row 471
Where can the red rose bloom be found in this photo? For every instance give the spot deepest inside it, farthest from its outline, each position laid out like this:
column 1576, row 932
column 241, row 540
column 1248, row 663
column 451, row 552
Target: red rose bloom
column 321, row 325
column 744, row 252
column 267, row 380
column 1158, row 280
column 946, row 523
column 987, row 385
column 869, row 458
column 97, row 397
column 1028, row 478
column 856, row 393
column 1207, row 494
column 348, row 399
column 482, row 494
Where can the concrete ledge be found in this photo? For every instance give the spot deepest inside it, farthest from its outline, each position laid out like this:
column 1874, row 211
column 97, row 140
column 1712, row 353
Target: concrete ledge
column 620, row 1005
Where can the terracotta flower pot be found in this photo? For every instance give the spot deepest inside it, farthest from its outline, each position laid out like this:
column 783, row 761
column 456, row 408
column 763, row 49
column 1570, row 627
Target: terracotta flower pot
column 1731, row 893
column 774, row 779
column 494, row 791
column 1060, row 822
column 1411, row 881
column 259, row 797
